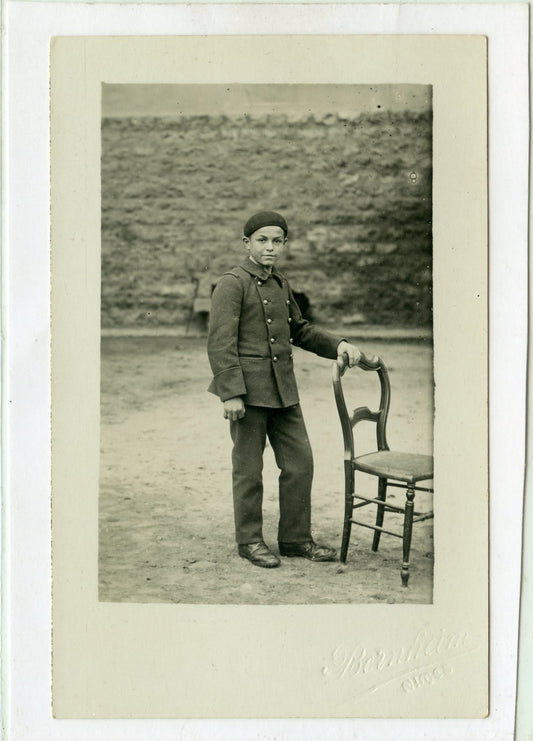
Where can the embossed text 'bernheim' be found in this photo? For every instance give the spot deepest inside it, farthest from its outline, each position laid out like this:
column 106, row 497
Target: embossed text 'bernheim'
column 348, row 662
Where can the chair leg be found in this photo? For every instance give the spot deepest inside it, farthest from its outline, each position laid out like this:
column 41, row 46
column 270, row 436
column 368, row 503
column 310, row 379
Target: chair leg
column 407, row 533
column 382, row 494
column 348, row 508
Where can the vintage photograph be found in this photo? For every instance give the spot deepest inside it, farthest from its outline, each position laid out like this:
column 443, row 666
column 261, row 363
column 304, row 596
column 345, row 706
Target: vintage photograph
column 248, row 275
column 269, row 334
column 266, row 269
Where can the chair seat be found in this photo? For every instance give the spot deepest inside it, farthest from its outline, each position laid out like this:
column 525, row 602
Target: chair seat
column 408, row 467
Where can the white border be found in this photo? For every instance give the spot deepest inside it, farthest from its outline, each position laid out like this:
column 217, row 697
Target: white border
column 26, row 305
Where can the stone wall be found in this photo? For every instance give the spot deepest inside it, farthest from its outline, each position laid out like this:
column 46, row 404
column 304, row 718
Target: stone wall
column 356, row 193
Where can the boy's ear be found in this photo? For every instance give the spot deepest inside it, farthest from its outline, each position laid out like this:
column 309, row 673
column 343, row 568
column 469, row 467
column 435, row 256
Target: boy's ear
column 246, row 241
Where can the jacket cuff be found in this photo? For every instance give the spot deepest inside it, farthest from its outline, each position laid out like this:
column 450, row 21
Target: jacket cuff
column 228, row 383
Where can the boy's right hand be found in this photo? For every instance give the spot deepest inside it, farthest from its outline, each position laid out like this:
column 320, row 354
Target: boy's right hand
column 234, row 409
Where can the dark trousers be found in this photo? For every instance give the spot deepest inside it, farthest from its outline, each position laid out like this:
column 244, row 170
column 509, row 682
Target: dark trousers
column 286, row 432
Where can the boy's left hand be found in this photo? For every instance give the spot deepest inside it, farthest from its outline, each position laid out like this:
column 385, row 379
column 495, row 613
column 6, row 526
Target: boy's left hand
column 353, row 353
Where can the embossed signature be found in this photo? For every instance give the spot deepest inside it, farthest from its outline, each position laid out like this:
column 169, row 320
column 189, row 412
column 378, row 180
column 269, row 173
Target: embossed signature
column 422, row 662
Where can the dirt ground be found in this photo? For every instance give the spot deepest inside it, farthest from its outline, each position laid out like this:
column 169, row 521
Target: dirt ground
column 165, row 506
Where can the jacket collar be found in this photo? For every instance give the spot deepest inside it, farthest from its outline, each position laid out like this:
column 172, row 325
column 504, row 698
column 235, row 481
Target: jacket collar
column 259, row 271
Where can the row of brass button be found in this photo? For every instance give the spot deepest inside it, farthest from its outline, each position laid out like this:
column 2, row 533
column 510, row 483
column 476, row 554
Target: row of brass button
column 269, row 321
column 268, row 301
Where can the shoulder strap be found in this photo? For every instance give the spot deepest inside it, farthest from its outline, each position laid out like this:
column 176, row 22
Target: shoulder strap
column 238, row 272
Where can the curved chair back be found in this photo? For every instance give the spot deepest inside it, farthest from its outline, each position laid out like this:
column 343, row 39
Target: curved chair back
column 348, row 421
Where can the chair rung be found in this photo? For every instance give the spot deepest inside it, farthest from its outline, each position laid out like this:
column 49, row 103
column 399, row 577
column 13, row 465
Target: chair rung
column 361, row 504
column 418, row 516
column 381, row 502
column 404, row 486
column 376, row 527
column 425, row 516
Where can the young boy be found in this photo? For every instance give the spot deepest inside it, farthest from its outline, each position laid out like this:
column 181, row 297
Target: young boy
column 254, row 322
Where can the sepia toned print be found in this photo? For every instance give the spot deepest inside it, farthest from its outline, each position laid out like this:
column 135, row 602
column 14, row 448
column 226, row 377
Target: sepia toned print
column 182, row 167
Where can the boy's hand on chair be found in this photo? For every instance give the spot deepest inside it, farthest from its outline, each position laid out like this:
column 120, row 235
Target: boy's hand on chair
column 234, row 409
column 351, row 351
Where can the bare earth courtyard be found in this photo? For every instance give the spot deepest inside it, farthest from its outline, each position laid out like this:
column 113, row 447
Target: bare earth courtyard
column 165, row 504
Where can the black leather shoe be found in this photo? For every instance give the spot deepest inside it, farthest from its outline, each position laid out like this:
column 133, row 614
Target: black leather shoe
column 259, row 554
column 309, row 550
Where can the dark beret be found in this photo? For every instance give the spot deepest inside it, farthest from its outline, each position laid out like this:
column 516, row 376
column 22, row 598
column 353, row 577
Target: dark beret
column 264, row 218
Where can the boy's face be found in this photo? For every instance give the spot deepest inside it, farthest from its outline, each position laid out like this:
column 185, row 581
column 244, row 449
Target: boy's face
column 265, row 245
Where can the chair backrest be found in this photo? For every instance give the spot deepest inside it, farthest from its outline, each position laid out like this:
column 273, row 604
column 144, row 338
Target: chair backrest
column 348, row 421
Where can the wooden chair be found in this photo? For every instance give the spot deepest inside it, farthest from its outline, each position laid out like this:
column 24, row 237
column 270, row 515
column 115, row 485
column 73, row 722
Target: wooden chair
column 392, row 469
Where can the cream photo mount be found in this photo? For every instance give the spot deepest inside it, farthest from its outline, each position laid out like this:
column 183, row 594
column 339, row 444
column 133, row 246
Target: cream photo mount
column 174, row 661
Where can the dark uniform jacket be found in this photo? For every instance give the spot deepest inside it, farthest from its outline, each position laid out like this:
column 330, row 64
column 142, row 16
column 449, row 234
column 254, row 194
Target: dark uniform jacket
column 254, row 323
